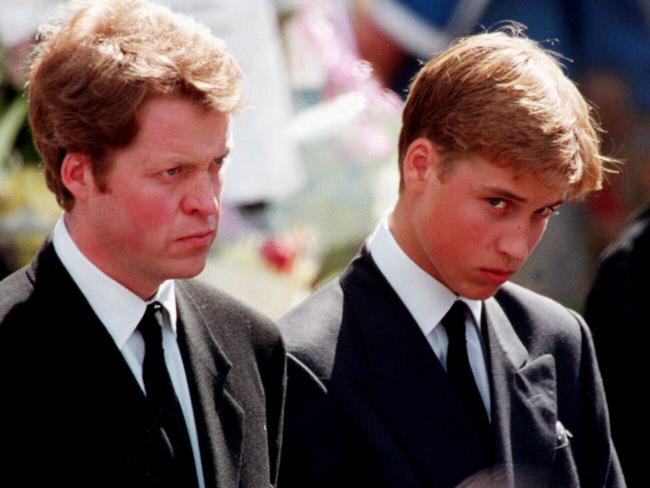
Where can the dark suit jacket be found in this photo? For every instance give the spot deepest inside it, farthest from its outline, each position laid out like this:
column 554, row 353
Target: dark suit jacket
column 369, row 404
column 73, row 415
column 617, row 312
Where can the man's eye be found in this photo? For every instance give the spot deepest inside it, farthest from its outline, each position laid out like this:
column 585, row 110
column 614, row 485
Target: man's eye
column 497, row 202
column 547, row 211
column 172, row 171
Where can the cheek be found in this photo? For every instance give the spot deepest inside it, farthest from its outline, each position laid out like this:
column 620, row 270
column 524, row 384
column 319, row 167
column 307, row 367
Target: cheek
column 151, row 208
column 147, row 210
column 477, row 237
column 473, row 227
column 148, row 213
column 472, row 243
column 456, row 231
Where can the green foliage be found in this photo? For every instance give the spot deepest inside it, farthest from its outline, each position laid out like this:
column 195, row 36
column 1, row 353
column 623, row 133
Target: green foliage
column 15, row 137
column 27, row 209
column 2, row 70
column 12, row 121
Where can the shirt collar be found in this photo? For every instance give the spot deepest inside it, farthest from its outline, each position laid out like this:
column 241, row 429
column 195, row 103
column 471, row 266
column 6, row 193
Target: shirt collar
column 426, row 298
column 117, row 307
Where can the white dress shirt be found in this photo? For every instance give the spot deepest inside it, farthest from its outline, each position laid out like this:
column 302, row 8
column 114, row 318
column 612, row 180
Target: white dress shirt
column 428, row 301
column 120, row 311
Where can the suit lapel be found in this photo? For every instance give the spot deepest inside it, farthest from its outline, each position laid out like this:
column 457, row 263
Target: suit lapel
column 407, row 382
column 106, row 389
column 97, row 378
column 220, row 419
column 524, row 403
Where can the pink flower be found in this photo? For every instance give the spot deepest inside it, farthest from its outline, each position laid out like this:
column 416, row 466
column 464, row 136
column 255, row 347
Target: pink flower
column 280, row 254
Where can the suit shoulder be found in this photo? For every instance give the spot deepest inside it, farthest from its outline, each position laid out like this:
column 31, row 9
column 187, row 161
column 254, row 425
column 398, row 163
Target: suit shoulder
column 537, row 317
column 311, row 329
column 513, row 293
column 636, row 231
column 627, row 256
column 223, row 311
column 15, row 290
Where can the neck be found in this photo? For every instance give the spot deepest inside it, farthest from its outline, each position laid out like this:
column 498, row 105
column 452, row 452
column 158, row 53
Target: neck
column 96, row 253
column 401, row 226
column 399, row 223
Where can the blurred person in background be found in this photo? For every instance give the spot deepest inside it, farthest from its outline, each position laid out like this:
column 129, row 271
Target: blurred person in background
column 116, row 369
column 18, row 25
column 616, row 311
column 421, row 365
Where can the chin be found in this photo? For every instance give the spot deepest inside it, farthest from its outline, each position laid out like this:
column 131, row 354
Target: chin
column 479, row 292
column 189, row 271
column 491, row 293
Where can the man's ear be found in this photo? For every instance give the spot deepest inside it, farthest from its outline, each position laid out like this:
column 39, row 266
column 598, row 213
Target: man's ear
column 421, row 162
column 77, row 174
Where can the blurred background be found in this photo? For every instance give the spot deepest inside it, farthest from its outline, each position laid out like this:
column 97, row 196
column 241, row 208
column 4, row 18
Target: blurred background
column 314, row 166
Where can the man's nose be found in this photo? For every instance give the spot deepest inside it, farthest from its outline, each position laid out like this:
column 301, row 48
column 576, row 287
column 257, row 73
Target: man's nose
column 516, row 243
column 203, row 196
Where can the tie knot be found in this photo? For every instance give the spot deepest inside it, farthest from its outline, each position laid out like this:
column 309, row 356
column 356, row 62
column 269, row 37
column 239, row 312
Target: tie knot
column 150, row 325
column 454, row 320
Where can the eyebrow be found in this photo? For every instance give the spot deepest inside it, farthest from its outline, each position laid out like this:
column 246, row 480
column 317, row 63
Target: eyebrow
column 174, row 157
column 500, row 192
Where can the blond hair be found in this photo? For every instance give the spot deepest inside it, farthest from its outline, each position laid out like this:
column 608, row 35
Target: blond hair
column 502, row 96
column 94, row 67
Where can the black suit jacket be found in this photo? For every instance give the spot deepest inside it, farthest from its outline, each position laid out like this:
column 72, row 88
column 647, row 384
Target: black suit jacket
column 369, row 404
column 73, row 415
column 617, row 312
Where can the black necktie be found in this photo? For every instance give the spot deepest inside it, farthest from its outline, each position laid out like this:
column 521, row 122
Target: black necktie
column 170, row 443
column 459, row 372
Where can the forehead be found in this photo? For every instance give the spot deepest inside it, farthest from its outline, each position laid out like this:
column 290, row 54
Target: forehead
column 174, row 118
column 506, row 180
column 171, row 131
column 176, row 129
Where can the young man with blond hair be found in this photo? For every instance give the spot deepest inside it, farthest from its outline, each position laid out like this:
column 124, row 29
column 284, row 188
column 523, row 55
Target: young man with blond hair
column 422, row 366
column 116, row 370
